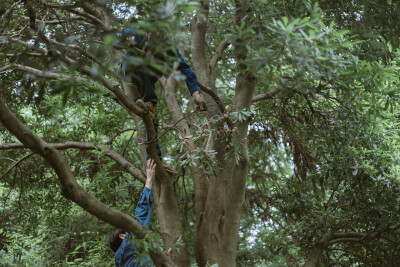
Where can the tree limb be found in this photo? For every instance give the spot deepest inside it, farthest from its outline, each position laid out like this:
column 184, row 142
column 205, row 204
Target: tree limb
column 218, row 54
column 16, row 164
column 10, row 9
column 109, row 142
column 72, row 9
column 268, row 95
column 59, row 21
column 26, row 54
column 217, row 100
column 69, row 186
column 355, row 236
column 41, row 73
column 127, row 166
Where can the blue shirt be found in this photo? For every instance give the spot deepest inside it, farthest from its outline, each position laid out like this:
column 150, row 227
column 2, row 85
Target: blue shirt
column 126, row 255
column 184, row 67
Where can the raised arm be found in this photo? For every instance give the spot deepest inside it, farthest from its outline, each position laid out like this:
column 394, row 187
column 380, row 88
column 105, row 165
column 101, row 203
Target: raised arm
column 145, row 204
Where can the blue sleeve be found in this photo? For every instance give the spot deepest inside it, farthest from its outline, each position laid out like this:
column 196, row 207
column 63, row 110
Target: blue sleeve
column 144, row 207
column 191, row 78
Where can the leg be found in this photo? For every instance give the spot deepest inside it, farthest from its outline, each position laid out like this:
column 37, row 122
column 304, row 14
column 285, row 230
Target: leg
column 146, row 85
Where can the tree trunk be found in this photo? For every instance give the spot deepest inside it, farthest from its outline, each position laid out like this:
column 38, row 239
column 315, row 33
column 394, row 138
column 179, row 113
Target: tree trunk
column 313, row 257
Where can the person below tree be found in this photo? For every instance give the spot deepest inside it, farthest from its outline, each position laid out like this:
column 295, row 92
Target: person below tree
column 120, row 241
column 145, row 79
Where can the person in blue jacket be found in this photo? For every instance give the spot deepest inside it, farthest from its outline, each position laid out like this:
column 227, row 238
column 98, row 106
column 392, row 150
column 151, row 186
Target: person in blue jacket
column 145, row 80
column 120, row 241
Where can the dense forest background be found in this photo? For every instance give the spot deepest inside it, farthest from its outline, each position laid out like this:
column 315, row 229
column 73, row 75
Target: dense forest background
column 296, row 162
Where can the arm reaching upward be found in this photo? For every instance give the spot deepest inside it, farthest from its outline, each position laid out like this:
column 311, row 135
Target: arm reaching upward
column 150, row 173
column 145, row 204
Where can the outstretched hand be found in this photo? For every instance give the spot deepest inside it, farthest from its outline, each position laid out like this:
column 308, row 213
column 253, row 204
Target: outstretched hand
column 198, row 99
column 150, row 173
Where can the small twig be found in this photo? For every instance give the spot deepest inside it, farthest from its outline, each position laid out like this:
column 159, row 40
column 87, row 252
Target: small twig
column 112, row 139
column 334, row 190
column 16, row 164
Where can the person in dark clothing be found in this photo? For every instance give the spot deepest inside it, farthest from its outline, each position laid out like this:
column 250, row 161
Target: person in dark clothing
column 120, row 241
column 145, row 81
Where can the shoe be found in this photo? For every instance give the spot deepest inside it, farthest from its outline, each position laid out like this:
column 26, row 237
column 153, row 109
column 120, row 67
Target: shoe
column 169, row 170
column 147, row 105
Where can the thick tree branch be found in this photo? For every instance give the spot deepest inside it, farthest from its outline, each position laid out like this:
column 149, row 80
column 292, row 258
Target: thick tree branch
column 41, row 73
column 26, row 54
column 234, row 196
column 69, row 187
column 355, row 236
column 24, row 43
column 127, row 103
column 268, row 95
column 200, row 184
column 60, row 21
column 31, row 14
column 333, row 238
column 217, row 100
column 218, row 54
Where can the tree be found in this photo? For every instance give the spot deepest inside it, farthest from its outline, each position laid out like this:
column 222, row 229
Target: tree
column 298, row 147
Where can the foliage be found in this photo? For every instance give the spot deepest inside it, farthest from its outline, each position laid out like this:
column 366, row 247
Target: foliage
column 324, row 152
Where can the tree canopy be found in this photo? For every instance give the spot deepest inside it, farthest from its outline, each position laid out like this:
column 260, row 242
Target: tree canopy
column 294, row 163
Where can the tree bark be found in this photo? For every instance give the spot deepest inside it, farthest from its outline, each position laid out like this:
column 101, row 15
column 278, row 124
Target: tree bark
column 69, row 186
column 313, row 257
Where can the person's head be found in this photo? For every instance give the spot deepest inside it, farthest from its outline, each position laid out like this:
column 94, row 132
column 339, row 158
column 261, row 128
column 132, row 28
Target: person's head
column 115, row 238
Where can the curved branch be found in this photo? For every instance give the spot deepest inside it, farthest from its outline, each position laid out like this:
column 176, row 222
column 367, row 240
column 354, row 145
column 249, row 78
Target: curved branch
column 109, row 142
column 26, row 54
column 72, row 9
column 10, row 9
column 268, row 95
column 59, row 21
column 24, row 43
column 16, row 164
column 355, row 236
column 218, row 54
column 85, row 70
column 41, row 73
column 123, row 99
column 126, row 165
column 69, row 186
column 217, row 100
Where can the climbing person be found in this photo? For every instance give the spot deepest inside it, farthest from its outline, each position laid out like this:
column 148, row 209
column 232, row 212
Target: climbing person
column 119, row 240
column 145, row 79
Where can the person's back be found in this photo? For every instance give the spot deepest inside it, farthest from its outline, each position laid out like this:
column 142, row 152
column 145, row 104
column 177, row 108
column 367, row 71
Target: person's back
column 126, row 255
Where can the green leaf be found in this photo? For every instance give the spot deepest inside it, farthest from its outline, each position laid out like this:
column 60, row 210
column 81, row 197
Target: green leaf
column 285, row 21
